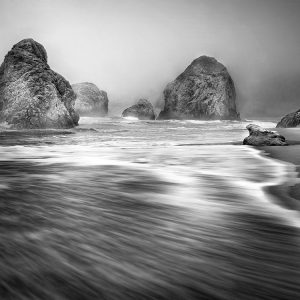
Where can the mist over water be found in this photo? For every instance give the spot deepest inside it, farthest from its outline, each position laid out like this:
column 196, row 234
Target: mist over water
column 121, row 209
column 133, row 48
column 125, row 209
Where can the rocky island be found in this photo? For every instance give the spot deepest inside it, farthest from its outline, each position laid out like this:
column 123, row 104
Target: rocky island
column 204, row 90
column 33, row 96
column 143, row 110
column 91, row 101
column 290, row 120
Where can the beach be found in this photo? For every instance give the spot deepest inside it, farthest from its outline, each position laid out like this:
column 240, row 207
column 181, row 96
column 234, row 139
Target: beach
column 289, row 192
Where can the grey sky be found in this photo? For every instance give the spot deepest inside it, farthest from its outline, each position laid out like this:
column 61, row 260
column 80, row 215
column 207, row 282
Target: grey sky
column 133, row 48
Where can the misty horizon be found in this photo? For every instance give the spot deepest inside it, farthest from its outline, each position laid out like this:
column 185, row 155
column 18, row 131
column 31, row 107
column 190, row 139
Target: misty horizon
column 149, row 149
column 133, row 49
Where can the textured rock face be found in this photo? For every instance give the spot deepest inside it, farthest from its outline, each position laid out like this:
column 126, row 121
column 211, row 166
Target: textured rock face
column 204, row 90
column 290, row 120
column 31, row 94
column 90, row 100
column 143, row 110
column 259, row 136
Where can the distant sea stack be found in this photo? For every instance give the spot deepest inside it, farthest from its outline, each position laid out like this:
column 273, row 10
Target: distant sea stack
column 204, row 91
column 259, row 136
column 143, row 110
column 90, row 100
column 31, row 94
column 290, row 120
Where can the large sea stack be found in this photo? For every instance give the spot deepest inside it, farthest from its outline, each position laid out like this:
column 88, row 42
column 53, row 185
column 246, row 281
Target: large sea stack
column 143, row 110
column 31, row 94
column 90, row 100
column 290, row 120
column 203, row 91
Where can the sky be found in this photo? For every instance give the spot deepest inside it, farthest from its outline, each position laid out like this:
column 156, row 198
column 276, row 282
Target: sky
column 133, row 48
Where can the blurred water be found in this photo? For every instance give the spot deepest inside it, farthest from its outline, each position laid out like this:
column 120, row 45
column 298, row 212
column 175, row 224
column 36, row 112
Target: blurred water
column 126, row 209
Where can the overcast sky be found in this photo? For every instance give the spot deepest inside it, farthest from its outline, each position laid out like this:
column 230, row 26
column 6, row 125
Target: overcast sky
column 133, row 48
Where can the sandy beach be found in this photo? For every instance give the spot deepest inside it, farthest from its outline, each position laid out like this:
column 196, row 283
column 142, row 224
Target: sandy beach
column 288, row 195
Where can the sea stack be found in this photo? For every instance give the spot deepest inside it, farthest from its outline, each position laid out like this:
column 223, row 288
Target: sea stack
column 203, row 91
column 143, row 110
column 90, row 100
column 259, row 136
column 290, row 120
column 33, row 96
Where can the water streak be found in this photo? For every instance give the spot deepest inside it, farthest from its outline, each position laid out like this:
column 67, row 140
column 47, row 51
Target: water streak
column 122, row 209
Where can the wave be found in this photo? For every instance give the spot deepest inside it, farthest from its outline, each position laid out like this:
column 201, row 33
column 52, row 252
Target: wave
column 124, row 213
column 153, row 223
column 131, row 118
column 264, row 124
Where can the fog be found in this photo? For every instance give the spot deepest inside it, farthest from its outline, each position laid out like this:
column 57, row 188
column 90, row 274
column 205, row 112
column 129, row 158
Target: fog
column 133, row 48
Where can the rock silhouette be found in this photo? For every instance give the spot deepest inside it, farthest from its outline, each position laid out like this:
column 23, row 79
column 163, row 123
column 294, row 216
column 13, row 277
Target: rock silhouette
column 90, row 100
column 31, row 94
column 290, row 120
column 143, row 110
column 204, row 90
column 259, row 136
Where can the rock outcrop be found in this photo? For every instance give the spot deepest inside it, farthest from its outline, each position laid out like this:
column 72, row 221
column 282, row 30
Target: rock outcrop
column 90, row 100
column 259, row 136
column 290, row 120
column 31, row 94
column 204, row 90
column 143, row 110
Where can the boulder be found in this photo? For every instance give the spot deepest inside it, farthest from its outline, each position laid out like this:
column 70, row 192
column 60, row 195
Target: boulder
column 290, row 120
column 204, row 90
column 90, row 100
column 31, row 94
column 143, row 110
column 259, row 136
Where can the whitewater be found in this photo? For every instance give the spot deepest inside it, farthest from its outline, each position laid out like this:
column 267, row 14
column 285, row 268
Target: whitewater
column 126, row 209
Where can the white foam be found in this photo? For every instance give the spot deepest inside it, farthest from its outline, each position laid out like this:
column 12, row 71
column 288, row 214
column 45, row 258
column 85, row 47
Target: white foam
column 131, row 118
column 244, row 170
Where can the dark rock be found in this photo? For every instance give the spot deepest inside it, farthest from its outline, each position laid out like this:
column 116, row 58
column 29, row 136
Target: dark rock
column 204, row 90
column 143, row 110
column 90, row 100
column 290, row 120
column 259, row 136
column 31, row 94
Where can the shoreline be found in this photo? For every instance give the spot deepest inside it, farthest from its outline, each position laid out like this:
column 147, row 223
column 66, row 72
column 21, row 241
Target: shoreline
column 287, row 194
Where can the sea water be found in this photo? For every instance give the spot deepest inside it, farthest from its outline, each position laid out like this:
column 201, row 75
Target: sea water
column 126, row 209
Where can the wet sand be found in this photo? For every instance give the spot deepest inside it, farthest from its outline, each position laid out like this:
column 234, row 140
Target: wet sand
column 288, row 195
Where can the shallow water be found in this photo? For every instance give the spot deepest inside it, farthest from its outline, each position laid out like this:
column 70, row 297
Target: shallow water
column 125, row 209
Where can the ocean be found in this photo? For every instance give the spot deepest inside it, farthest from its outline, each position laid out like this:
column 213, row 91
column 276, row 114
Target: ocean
column 126, row 209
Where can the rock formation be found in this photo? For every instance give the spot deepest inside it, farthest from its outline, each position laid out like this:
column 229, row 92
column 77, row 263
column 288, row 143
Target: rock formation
column 290, row 120
column 259, row 136
column 31, row 94
column 204, row 90
column 90, row 100
column 143, row 110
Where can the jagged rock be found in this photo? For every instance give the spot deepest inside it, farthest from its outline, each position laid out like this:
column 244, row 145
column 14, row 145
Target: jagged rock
column 259, row 136
column 290, row 120
column 204, row 90
column 31, row 94
column 90, row 100
column 143, row 110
